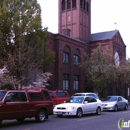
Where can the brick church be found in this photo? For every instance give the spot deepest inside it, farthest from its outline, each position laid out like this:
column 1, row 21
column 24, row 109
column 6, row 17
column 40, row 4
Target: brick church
column 73, row 40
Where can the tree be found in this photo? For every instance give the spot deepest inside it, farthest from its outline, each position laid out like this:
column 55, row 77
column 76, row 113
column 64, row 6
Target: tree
column 23, row 42
column 103, row 76
column 95, row 68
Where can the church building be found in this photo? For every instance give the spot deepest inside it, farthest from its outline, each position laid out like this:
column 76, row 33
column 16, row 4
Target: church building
column 73, row 41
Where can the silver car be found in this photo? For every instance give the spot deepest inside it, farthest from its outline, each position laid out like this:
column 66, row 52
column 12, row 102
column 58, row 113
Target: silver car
column 115, row 103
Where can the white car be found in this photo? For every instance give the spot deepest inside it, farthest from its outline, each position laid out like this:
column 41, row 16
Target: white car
column 77, row 106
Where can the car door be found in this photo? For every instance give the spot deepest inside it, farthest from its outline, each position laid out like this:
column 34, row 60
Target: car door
column 11, row 106
column 120, row 103
column 24, row 106
column 93, row 103
column 87, row 105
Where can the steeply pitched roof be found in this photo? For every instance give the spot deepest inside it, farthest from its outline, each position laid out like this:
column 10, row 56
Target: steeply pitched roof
column 103, row 35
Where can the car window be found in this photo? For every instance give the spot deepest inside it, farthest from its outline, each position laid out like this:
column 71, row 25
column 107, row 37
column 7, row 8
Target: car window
column 51, row 94
column 36, row 96
column 12, row 97
column 61, row 94
column 75, row 100
column 119, row 99
column 93, row 95
column 79, row 94
column 2, row 94
column 46, row 94
column 90, row 99
column 110, row 98
column 23, row 96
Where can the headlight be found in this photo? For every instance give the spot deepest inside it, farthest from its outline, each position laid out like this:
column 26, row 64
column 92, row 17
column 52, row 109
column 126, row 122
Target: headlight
column 70, row 108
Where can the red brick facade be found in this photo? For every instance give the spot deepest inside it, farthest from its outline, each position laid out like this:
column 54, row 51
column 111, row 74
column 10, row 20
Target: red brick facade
column 73, row 42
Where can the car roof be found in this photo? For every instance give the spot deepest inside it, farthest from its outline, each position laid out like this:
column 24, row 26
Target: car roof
column 27, row 90
column 57, row 91
column 86, row 93
column 83, row 96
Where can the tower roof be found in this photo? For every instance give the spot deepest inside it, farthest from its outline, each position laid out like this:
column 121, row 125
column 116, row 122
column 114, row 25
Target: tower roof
column 103, row 35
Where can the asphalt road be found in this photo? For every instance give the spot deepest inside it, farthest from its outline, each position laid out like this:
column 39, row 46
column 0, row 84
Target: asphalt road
column 105, row 121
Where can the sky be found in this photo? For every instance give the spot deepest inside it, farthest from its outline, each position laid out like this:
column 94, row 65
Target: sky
column 106, row 15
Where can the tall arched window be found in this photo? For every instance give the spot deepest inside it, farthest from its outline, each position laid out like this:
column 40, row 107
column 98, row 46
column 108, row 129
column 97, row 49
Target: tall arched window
column 77, row 59
column 66, row 55
column 68, row 4
column 73, row 3
column 81, row 3
column 87, row 6
column 63, row 4
column 84, row 4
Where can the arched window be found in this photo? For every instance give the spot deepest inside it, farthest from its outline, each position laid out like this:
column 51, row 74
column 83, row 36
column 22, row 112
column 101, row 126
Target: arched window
column 73, row 3
column 66, row 55
column 84, row 4
column 63, row 4
column 81, row 3
column 87, row 7
column 77, row 57
column 68, row 4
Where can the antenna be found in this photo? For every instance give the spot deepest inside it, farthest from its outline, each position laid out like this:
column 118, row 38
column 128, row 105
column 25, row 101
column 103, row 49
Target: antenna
column 115, row 25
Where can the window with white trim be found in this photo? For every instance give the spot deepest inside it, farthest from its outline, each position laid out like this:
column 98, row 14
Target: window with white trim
column 65, row 82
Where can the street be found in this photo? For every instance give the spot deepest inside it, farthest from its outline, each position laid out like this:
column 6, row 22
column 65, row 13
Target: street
column 105, row 121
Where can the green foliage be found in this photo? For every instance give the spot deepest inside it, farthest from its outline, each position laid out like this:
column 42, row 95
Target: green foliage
column 7, row 87
column 102, row 74
column 23, row 42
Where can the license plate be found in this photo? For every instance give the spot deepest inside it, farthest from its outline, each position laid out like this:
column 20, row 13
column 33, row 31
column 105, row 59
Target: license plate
column 60, row 113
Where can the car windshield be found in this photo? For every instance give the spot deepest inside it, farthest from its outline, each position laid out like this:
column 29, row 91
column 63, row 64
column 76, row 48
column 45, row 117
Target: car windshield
column 2, row 94
column 75, row 100
column 111, row 98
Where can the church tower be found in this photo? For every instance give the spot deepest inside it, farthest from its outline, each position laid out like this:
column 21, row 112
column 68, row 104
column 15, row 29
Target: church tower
column 75, row 19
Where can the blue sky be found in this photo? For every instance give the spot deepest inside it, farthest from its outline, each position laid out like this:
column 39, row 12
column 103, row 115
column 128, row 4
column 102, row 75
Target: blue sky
column 104, row 15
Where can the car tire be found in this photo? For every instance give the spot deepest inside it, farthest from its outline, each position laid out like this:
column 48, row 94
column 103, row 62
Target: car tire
column 79, row 113
column 98, row 111
column 116, row 108
column 20, row 119
column 59, row 115
column 0, row 122
column 126, row 107
column 41, row 116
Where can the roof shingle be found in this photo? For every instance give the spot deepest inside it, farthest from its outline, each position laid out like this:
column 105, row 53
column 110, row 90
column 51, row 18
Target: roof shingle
column 103, row 35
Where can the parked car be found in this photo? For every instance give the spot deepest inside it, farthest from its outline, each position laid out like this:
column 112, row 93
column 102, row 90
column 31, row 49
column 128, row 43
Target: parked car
column 77, row 106
column 21, row 104
column 87, row 94
column 115, row 103
column 58, row 96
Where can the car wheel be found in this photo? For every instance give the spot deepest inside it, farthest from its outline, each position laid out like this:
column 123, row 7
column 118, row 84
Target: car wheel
column 41, row 116
column 126, row 107
column 116, row 108
column 59, row 115
column 79, row 113
column 98, row 111
column 20, row 119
